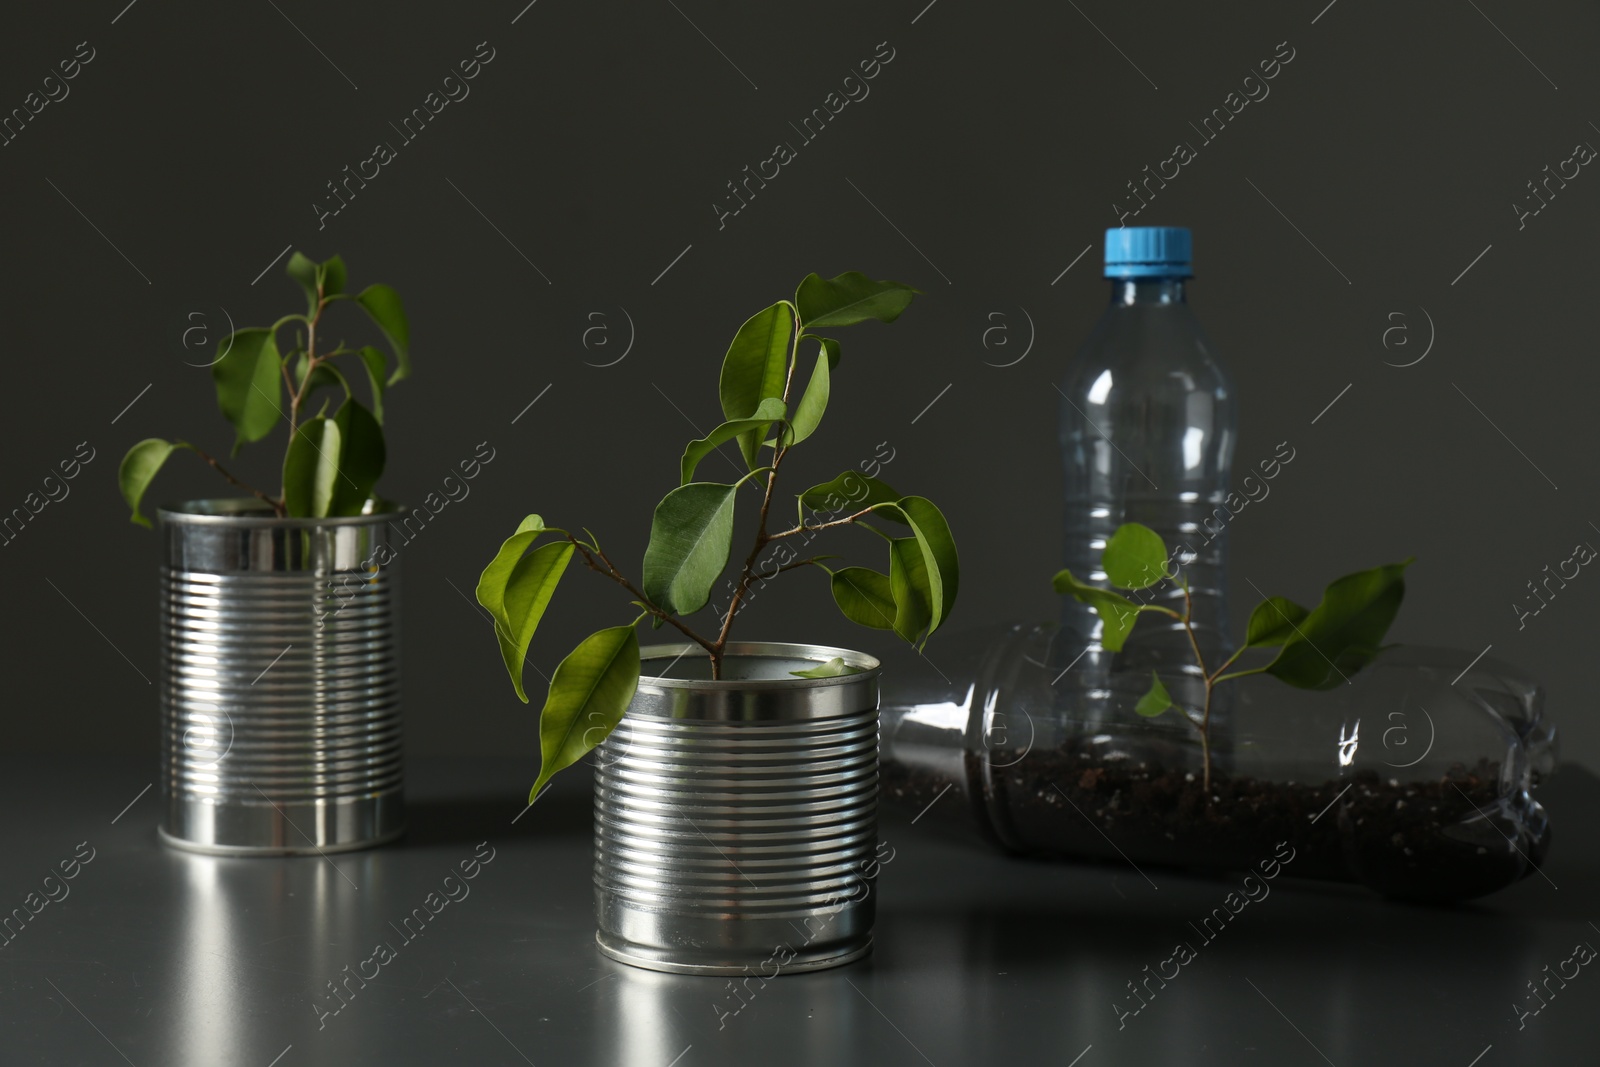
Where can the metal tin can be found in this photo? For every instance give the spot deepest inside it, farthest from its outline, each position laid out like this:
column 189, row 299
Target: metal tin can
column 736, row 820
column 280, row 680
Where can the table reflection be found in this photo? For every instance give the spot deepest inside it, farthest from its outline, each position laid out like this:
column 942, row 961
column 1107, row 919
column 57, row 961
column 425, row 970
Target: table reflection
column 254, row 945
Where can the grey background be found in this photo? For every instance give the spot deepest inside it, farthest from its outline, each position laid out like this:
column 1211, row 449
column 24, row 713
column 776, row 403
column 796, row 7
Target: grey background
column 986, row 158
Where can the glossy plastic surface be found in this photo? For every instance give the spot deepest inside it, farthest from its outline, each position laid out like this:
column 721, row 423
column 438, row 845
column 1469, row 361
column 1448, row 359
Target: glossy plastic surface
column 1414, row 779
column 1148, row 430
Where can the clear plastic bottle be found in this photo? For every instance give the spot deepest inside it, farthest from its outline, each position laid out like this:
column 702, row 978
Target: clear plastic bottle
column 1148, row 428
column 1416, row 780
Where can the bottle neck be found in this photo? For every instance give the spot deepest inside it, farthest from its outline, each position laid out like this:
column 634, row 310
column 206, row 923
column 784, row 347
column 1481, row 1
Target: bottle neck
column 1126, row 292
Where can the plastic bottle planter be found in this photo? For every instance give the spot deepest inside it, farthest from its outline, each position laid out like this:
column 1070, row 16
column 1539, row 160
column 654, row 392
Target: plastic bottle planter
column 1415, row 779
column 736, row 820
column 280, row 681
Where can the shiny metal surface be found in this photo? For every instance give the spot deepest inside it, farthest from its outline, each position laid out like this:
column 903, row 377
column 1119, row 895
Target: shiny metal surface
column 280, row 681
column 735, row 820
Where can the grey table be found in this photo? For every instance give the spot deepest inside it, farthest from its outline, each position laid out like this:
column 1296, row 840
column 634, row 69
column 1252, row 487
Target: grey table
column 152, row 956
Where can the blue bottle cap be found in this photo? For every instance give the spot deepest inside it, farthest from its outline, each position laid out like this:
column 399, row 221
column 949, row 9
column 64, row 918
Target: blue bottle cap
column 1148, row 252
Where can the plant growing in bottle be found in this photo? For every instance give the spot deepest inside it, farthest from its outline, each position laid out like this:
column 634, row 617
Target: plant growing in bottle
column 1317, row 648
column 331, row 462
column 692, row 530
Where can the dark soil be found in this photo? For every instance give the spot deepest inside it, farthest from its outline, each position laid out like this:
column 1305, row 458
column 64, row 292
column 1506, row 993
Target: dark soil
column 1421, row 840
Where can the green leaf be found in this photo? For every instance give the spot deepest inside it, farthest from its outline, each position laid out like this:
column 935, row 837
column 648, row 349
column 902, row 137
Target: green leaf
column 495, row 579
column 769, row 411
column 1345, row 631
column 813, row 402
column 491, row 591
column 755, row 368
column 361, row 458
column 139, row 468
column 851, row 297
column 333, row 276
column 589, row 694
column 1273, row 622
column 865, row 597
column 691, row 534
column 1117, row 613
column 1135, row 557
column 834, row 668
column 830, row 348
column 908, row 581
column 526, row 594
column 850, row 491
column 516, row 589
column 933, row 536
column 304, row 271
column 377, row 365
column 382, row 305
column 310, row 469
column 934, row 533
column 249, row 381
column 1155, row 701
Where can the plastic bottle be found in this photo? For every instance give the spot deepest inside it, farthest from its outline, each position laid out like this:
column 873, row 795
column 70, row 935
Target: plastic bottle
column 1148, row 429
column 1416, row 780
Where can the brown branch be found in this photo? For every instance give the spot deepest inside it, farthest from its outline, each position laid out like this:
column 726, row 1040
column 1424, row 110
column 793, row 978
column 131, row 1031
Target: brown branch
column 298, row 396
column 1188, row 628
column 610, row 571
column 277, row 505
column 803, row 528
column 1210, row 682
column 747, row 573
column 1217, row 675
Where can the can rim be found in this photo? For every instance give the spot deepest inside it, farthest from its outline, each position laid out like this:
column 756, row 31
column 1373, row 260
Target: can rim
column 251, row 513
column 867, row 667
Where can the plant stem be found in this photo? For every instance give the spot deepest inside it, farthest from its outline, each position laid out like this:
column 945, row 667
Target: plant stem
column 747, row 572
column 1216, row 675
column 610, row 571
column 811, row 561
column 1205, row 716
column 298, row 396
column 277, row 505
column 803, row 528
column 1188, row 628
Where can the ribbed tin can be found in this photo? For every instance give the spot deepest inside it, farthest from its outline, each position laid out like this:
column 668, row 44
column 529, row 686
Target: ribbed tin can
column 736, row 820
column 280, row 680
